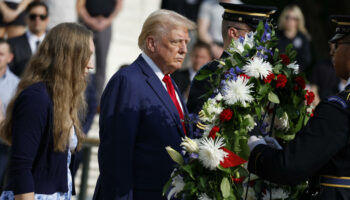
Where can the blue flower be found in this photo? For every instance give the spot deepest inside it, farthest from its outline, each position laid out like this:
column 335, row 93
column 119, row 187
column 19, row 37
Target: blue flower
column 241, row 39
column 238, row 70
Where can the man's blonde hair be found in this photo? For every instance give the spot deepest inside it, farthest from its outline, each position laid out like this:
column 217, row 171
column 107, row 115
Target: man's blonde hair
column 160, row 22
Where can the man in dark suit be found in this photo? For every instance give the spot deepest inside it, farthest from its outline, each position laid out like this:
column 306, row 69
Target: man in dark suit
column 200, row 55
column 238, row 20
column 142, row 112
column 26, row 45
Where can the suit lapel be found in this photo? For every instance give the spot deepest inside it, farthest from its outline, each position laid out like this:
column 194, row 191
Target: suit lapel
column 27, row 45
column 160, row 91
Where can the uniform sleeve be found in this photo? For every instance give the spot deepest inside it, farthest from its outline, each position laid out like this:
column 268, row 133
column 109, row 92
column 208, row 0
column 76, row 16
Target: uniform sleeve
column 324, row 136
column 29, row 120
column 119, row 120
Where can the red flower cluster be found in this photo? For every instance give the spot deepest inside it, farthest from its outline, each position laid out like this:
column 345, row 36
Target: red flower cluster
column 238, row 180
column 285, row 59
column 245, row 76
column 300, row 83
column 269, row 78
column 310, row 97
column 281, row 81
column 226, row 115
column 231, row 160
column 213, row 132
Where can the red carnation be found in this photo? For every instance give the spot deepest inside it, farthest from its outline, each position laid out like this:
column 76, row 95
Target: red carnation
column 281, row 81
column 231, row 160
column 213, row 132
column 245, row 76
column 285, row 59
column 269, row 78
column 310, row 97
column 300, row 83
column 312, row 113
column 238, row 180
column 226, row 115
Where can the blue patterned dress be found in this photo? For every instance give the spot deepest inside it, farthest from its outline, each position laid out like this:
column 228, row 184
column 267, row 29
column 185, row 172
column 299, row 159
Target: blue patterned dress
column 8, row 195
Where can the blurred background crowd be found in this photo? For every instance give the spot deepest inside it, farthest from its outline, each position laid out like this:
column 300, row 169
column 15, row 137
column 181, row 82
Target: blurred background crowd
column 116, row 25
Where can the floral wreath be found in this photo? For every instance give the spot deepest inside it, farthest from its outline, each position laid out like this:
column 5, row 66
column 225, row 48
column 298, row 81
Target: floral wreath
column 255, row 90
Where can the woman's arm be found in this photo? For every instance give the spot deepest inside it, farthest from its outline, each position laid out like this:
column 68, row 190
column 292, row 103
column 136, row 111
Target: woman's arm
column 9, row 14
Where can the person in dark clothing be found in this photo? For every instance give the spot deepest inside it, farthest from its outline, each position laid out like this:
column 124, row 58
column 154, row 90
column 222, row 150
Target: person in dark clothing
column 98, row 17
column 323, row 79
column 233, row 26
column 25, row 46
column 200, row 55
column 322, row 148
column 292, row 30
column 187, row 8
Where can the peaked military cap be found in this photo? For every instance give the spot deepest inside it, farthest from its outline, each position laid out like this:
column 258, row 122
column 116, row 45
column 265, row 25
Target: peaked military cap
column 343, row 26
column 248, row 14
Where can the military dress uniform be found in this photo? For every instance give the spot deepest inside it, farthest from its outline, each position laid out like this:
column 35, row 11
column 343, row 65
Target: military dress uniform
column 243, row 13
column 321, row 150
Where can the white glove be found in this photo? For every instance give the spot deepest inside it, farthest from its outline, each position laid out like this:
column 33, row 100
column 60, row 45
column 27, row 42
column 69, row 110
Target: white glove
column 254, row 141
column 272, row 142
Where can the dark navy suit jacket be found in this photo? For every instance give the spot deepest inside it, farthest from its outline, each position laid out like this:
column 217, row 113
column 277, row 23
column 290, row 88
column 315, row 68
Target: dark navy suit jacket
column 137, row 121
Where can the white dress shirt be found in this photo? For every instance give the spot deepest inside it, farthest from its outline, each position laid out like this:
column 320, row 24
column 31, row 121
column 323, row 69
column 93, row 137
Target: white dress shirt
column 160, row 75
column 33, row 39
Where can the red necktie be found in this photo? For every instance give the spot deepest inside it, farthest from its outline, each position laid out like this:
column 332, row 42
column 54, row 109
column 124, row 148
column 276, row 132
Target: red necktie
column 172, row 94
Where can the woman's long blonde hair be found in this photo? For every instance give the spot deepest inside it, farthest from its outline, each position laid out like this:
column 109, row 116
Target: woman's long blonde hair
column 301, row 21
column 59, row 63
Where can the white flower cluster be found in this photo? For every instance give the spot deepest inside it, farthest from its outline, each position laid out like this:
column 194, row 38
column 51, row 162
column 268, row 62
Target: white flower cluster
column 238, row 91
column 210, row 152
column 257, row 68
column 178, row 185
column 238, row 45
column 211, row 109
column 294, row 66
column 277, row 193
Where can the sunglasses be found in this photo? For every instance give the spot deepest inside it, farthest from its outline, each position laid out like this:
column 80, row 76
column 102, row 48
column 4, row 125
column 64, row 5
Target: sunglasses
column 33, row 17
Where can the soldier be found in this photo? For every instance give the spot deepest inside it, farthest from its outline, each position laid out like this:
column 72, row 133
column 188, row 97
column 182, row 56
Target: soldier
column 322, row 148
column 238, row 20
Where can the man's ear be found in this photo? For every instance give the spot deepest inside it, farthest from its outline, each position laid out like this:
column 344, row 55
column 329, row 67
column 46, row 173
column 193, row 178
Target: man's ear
column 151, row 43
column 233, row 33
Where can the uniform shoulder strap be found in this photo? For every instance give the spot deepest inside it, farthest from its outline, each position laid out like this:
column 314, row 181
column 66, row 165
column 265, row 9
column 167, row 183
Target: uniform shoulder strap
column 342, row 98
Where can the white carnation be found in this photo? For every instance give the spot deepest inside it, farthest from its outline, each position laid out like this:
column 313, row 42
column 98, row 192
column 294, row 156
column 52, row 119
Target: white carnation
column 257, row 67
column 210, row 152
column 238, row 91
column 294, row 66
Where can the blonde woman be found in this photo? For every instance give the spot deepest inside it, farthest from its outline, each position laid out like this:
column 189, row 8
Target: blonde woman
column 292, row 29
column 42, row 122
